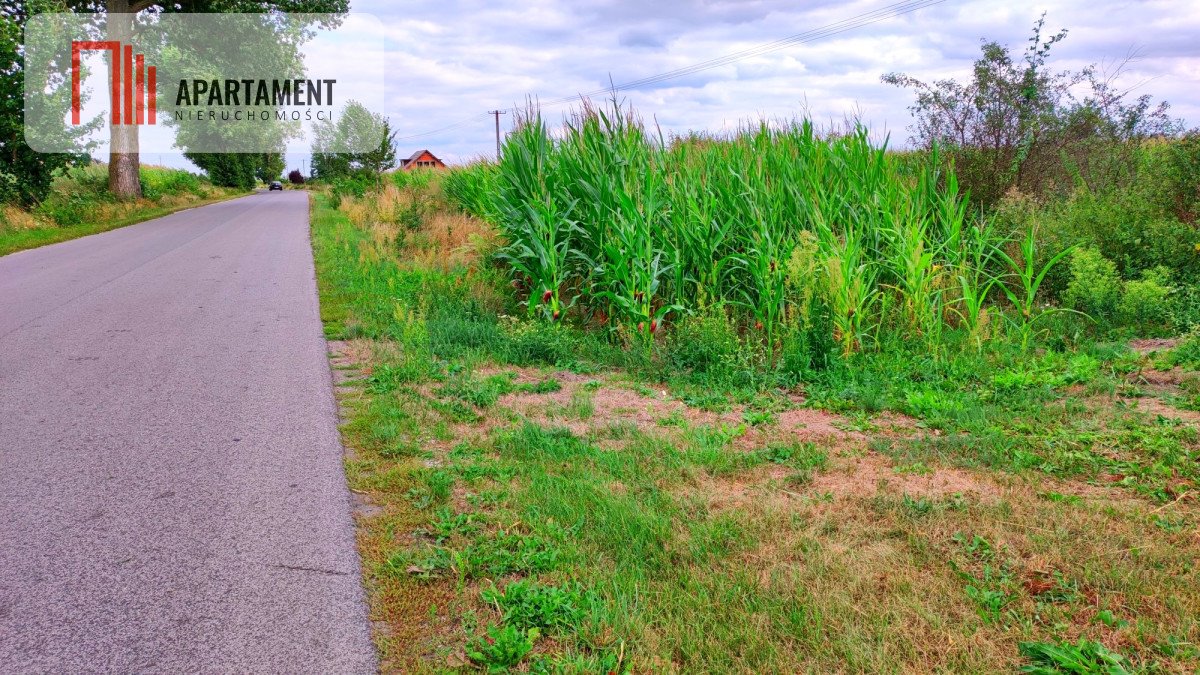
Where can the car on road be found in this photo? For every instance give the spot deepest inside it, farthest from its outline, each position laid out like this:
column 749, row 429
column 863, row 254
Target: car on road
column 275, row 185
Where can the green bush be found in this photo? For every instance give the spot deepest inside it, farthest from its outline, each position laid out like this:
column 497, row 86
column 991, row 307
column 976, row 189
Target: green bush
column 355, row 185
column 1095, row 286
column 1146, row 301
column 9, row 189
column 65, row 209
column 1187, row 353
column 1185, row 309
column 706, row 343
column 158, row 181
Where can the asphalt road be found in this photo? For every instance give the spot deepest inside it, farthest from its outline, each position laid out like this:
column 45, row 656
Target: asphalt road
column 171, row 488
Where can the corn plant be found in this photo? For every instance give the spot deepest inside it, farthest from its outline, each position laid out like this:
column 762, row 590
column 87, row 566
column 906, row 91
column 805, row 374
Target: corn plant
column 604, row 214
column 850, row 286
column 634, row 267
column 762, row 264
column 912, row 261
column 535, row 219
column 975, row 282
column 1029, row 278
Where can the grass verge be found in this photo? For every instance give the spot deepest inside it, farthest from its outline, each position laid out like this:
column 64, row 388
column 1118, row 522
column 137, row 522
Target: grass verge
column 80, row 206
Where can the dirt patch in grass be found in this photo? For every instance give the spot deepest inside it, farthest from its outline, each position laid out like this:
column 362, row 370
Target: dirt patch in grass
column 354, row 353
column 349, row 360
column 1155, row 406
column 1146, row 405
column 1149, row 345
column 798, row 424
column 759, row 487
column 1165, row 379
column 867, row 473
column 588, row 405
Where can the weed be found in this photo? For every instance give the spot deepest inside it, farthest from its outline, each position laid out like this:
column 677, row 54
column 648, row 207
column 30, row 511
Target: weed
column 1082, row 658
column 581, row 406
column 434, row 488
column 804, row 455
column 507, row 553
column 502, row 647
column 482, row 393
column 674, row 418
column 447, row 524
column 423, row 563
column 546, row 386
column 758, row 417
column 553, row 609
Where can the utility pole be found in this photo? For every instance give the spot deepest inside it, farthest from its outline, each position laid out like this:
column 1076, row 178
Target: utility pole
column 497, row 114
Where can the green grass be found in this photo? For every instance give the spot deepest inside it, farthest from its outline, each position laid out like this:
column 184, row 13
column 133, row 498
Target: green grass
column 79, row 206
column 564, row 540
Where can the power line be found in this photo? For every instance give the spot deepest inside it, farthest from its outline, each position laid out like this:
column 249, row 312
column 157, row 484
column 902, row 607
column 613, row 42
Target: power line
column 857, row 21
column 460, row 123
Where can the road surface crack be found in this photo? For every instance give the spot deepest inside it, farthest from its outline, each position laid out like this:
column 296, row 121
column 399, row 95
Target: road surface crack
column 318, row 570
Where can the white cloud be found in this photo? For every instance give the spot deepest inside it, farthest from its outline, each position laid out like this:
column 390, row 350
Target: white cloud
column 449, row 62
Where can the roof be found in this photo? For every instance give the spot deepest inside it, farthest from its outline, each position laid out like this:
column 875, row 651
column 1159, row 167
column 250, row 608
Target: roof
column 416, row 155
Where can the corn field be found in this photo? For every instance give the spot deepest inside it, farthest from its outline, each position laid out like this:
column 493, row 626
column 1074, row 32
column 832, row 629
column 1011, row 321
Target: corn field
column 780, row 227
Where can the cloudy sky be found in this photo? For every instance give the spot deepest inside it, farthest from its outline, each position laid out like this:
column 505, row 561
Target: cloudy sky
column 449, row 62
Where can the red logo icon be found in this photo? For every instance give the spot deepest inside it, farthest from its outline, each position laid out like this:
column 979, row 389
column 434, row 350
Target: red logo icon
column 129, row 106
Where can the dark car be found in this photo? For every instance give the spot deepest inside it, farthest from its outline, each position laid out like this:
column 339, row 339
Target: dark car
column 275, row 185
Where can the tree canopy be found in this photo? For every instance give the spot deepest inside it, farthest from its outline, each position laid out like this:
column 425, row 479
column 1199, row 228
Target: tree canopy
column 1017, row 123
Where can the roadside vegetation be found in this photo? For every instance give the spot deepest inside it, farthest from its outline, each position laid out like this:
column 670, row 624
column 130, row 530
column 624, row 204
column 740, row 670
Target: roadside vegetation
column 558, row 496
column 778, row 401
column 79, row 204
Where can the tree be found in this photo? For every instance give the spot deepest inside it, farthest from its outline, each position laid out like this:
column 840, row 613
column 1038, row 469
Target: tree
column 25, row 175
column 270, row 167
column 1015, row 121
column 124, row 162
column 238, row 170
column 356, row 128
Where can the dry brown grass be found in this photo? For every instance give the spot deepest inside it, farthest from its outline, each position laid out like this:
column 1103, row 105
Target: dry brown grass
column 449, row 240
column 19, row 219
column 444, row 240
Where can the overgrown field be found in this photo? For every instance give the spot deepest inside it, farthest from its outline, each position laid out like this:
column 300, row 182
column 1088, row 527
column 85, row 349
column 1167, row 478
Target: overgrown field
column 813, row 245
column 80, row 204
column 824, row 422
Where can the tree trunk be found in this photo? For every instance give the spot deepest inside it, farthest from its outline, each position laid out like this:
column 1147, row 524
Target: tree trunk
column 124, row 164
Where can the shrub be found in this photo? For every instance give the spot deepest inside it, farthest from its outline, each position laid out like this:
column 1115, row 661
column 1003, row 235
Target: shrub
column 1095, row 286
column 706, row 343
column 159, row 181
column 352, row 186
column 9, row 192
column 1185, row 309
column 1146, row 301
column 1187, row 353
column 295, row 177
